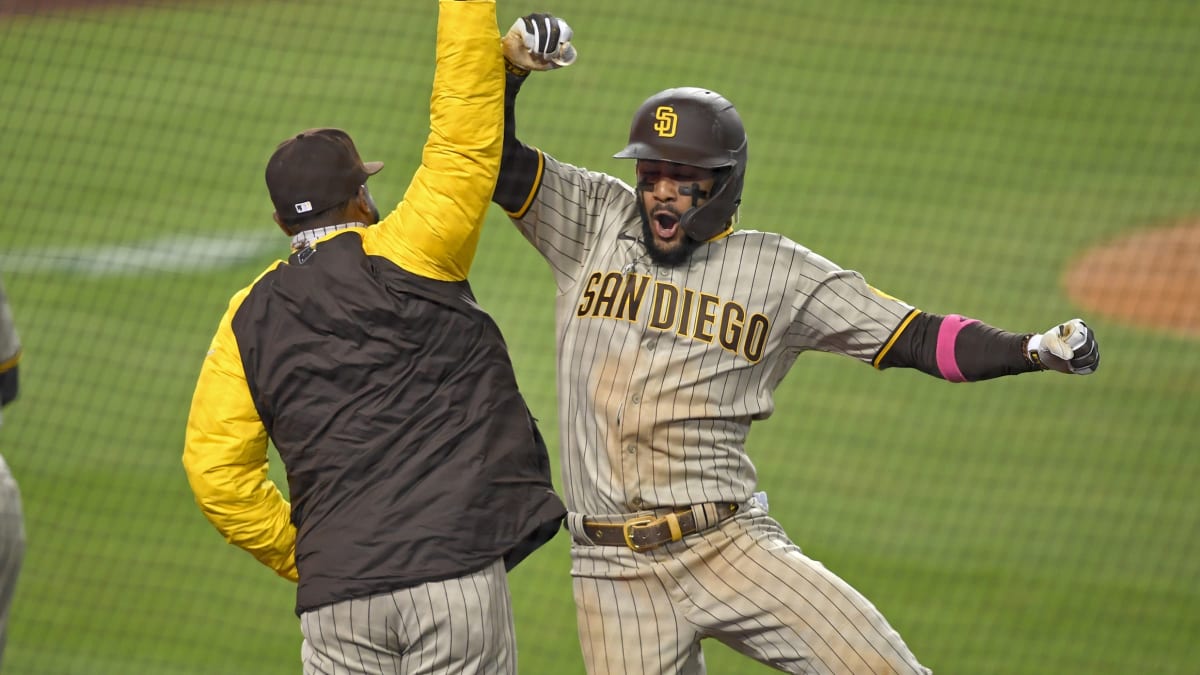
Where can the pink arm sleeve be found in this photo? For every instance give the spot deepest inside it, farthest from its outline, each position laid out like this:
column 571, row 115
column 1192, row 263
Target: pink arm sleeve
column 947, row 337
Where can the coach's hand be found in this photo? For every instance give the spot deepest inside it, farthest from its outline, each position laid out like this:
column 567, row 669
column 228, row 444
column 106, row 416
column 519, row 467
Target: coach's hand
column 539, row 41
column 1068, row 348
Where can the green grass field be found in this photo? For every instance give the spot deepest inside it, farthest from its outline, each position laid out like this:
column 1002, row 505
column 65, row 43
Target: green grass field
column 960, row 157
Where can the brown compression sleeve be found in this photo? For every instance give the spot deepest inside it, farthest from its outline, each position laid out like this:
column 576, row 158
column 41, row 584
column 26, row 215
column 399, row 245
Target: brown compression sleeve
column 970, row 350
column 519, row 163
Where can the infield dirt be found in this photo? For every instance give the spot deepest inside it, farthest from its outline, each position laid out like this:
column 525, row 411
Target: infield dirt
column 34, row 7
column 1148, row 277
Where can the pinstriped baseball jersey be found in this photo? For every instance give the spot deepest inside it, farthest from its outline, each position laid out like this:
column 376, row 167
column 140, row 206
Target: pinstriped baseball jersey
column 661, row 370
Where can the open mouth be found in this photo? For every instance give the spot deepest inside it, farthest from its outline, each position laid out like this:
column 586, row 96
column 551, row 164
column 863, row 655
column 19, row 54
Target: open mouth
column 665, row 223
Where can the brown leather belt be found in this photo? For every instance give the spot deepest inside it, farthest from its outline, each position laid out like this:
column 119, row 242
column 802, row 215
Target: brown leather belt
column 645, row 533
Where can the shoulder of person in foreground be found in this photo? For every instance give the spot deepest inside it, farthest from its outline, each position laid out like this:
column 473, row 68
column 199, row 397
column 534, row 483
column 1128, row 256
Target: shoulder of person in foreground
column 434, row 230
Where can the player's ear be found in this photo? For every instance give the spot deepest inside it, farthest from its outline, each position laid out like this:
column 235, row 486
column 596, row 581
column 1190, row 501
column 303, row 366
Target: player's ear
column 366, row 205
column 279, row 221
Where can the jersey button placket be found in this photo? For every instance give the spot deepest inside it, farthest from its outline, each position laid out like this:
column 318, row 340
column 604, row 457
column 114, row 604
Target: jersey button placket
column 631, row 422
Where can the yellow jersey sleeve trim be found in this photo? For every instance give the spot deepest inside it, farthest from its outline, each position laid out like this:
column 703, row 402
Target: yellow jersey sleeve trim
column 721, row 235
column 537, row 183
column 11, row 362
column 895, row 336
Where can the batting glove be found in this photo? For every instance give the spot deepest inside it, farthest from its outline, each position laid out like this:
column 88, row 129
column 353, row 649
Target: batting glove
column 1068, row 348
column 539, row 41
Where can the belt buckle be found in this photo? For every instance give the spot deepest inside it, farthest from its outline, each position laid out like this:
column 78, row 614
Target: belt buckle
column 627, row 527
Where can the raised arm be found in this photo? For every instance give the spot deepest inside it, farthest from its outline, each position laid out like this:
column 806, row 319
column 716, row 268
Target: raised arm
column 534, row 42
column 434, row 231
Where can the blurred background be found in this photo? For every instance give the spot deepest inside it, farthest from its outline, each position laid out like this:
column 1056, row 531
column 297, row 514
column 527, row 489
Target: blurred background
column 963, row 156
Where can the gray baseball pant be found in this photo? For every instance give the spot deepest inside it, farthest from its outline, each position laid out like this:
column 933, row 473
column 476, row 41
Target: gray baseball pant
column 12, row 545
column 461, row 625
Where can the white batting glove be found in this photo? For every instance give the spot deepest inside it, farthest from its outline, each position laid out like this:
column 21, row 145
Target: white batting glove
column 1068, row 348
column 539, row 41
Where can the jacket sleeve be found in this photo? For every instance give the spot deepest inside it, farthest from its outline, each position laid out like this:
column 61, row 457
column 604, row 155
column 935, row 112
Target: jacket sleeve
column 434, row 231
column 225, row 457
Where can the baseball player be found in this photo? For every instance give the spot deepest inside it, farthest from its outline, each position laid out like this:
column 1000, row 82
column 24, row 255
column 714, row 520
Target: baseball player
column 12, row 522
column 674, row 327
column 417, row 475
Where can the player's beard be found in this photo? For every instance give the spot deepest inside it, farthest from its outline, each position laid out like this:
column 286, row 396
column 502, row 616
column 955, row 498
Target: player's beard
column 679, row 253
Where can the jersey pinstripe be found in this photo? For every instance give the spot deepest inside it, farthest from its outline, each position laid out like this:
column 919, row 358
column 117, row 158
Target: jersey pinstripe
column 661, row 370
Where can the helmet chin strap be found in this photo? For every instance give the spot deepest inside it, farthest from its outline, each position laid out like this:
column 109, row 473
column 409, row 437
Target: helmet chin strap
column 699, row 197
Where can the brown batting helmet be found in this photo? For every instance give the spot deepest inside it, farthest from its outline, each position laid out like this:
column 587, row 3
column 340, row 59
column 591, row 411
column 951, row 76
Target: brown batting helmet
column 697, row 127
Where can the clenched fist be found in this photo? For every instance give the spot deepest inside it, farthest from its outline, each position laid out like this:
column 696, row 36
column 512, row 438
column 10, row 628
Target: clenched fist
column 1068, row 348
column 539, row 42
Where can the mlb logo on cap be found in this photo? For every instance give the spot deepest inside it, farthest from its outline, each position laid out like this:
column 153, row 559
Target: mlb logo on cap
column 304, row 207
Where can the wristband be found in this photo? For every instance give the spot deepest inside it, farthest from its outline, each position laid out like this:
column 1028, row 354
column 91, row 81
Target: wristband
column 515, row 70
column 1029, row 347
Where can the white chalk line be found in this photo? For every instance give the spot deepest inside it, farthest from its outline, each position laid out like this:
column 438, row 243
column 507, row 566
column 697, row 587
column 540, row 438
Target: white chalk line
column 176, row 253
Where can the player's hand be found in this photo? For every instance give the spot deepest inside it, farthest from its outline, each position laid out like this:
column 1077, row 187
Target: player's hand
column 1068, row 348
column 539, row 41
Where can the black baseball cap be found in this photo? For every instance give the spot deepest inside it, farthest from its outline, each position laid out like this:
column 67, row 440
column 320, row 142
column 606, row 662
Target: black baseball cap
column 315, row 170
